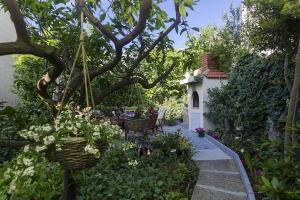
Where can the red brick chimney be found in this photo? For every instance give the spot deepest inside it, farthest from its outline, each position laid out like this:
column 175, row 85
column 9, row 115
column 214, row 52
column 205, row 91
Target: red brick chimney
column 208, row 61
column 209, row 67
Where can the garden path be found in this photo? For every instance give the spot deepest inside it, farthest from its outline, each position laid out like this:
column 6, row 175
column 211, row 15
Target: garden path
column 219, row 178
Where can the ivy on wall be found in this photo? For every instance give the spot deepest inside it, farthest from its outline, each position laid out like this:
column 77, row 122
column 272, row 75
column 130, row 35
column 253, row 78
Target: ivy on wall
column 255, row 92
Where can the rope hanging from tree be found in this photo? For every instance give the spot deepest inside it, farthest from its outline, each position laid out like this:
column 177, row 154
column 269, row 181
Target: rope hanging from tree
column 87, row 81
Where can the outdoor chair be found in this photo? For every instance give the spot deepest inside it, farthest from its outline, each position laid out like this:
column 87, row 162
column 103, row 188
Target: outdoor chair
column 151, row 123
column 160, row 119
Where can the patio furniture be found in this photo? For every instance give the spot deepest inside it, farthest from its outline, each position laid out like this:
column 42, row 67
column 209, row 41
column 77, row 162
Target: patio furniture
column 151, row 123
column 160, row 118
column 135, row 125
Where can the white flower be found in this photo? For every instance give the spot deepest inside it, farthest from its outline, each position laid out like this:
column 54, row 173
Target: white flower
column 173, row 150
column 78, row 124
column 133, row 163
column 47, row 128
column 92, row 150
column 29, row 171
column 27, row 162
column 237, row 138
column 49, row 140
column 40, row 148
column 96, row 128
column 96, row 134
column 242, row 150
column 58, row 147
column 26, row 148
column 12, row 186
column 7, row 174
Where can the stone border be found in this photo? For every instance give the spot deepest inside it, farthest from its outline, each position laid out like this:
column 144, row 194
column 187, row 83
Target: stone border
column 238, row 163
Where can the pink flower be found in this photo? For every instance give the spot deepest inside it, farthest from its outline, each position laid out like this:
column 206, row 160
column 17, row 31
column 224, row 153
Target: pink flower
column 214, row 135
column 258, row 172
column 200, row 130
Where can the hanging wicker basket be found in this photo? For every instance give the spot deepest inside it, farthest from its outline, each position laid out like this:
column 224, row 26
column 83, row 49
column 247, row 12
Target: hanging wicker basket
column 72, row 154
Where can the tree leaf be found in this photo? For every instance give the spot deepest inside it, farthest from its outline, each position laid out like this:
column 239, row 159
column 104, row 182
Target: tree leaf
column 182, row 10
column 188, row 3
column 266, row 181
column 102, row 16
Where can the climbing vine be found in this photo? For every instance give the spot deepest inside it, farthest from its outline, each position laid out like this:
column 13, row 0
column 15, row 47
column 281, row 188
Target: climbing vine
column 255, row 93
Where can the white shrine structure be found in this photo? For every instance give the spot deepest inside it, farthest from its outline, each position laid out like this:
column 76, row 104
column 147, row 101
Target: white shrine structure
column 198, row 84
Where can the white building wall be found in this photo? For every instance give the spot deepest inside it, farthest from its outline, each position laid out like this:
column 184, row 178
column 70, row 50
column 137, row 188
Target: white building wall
column 195, row 114
column 7, row 34
column 208, row 84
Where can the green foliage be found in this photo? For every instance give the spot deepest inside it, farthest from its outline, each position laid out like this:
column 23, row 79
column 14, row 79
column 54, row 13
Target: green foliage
column 273, row 24
column 11, row 121
column 274, row 175
column 169, row 87
column 29, row 176
column 280, row 178
column 167, row 173
column 255, row 93
column 122, row 175
column 28, row 70
column 56, row 23
column 225, row 43
column 174, row 109
column 167, row 143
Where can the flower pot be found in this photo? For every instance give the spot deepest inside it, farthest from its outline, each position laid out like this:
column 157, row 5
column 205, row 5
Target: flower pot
column 72, row 154
column 201, row 134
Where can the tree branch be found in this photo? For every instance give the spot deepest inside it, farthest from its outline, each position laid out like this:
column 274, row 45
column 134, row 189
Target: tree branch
column 95, row 21
column 143, row 15
column 129, row 81
column 22, row 47
column 18, row 20
column 141, row 79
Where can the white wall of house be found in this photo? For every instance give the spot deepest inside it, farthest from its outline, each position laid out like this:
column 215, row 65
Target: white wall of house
column 209, row 84
column 196, row 115
column 7, row 34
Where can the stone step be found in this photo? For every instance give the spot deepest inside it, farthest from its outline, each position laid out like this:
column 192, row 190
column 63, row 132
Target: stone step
column 202, row 192
column 217, row 165
column 230, row 181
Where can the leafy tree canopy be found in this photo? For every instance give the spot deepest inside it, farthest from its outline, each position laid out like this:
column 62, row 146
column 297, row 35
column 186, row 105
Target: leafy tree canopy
column 120, row 36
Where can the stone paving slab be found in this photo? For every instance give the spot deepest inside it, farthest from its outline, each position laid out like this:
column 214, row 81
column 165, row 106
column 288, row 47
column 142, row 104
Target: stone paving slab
column 217, row 165
column 232, row 181
column 210, row 154
column 213, row 193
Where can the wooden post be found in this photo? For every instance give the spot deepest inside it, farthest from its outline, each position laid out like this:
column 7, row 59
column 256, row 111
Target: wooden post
column 69, row 186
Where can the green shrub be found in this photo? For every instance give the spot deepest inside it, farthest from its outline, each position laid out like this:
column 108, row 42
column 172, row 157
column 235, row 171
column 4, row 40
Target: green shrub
column 121, row 174
column 174, row 110
column 29, row 176
column 255, row 92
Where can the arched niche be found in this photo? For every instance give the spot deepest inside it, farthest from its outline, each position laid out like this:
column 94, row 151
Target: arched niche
column 195, row 100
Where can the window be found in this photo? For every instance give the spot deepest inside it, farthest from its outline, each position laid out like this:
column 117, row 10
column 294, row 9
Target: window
column 195, row 97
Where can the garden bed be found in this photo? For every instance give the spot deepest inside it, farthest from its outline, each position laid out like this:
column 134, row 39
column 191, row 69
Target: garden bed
column 167, row 173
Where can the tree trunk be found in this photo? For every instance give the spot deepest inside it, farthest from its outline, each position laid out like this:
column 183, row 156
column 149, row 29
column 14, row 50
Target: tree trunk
column 69, row 186
column 286, row 72
column 291, row 117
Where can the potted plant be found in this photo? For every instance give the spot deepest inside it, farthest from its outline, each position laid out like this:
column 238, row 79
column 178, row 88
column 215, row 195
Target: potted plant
column 76, row 141
column 201, row 132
